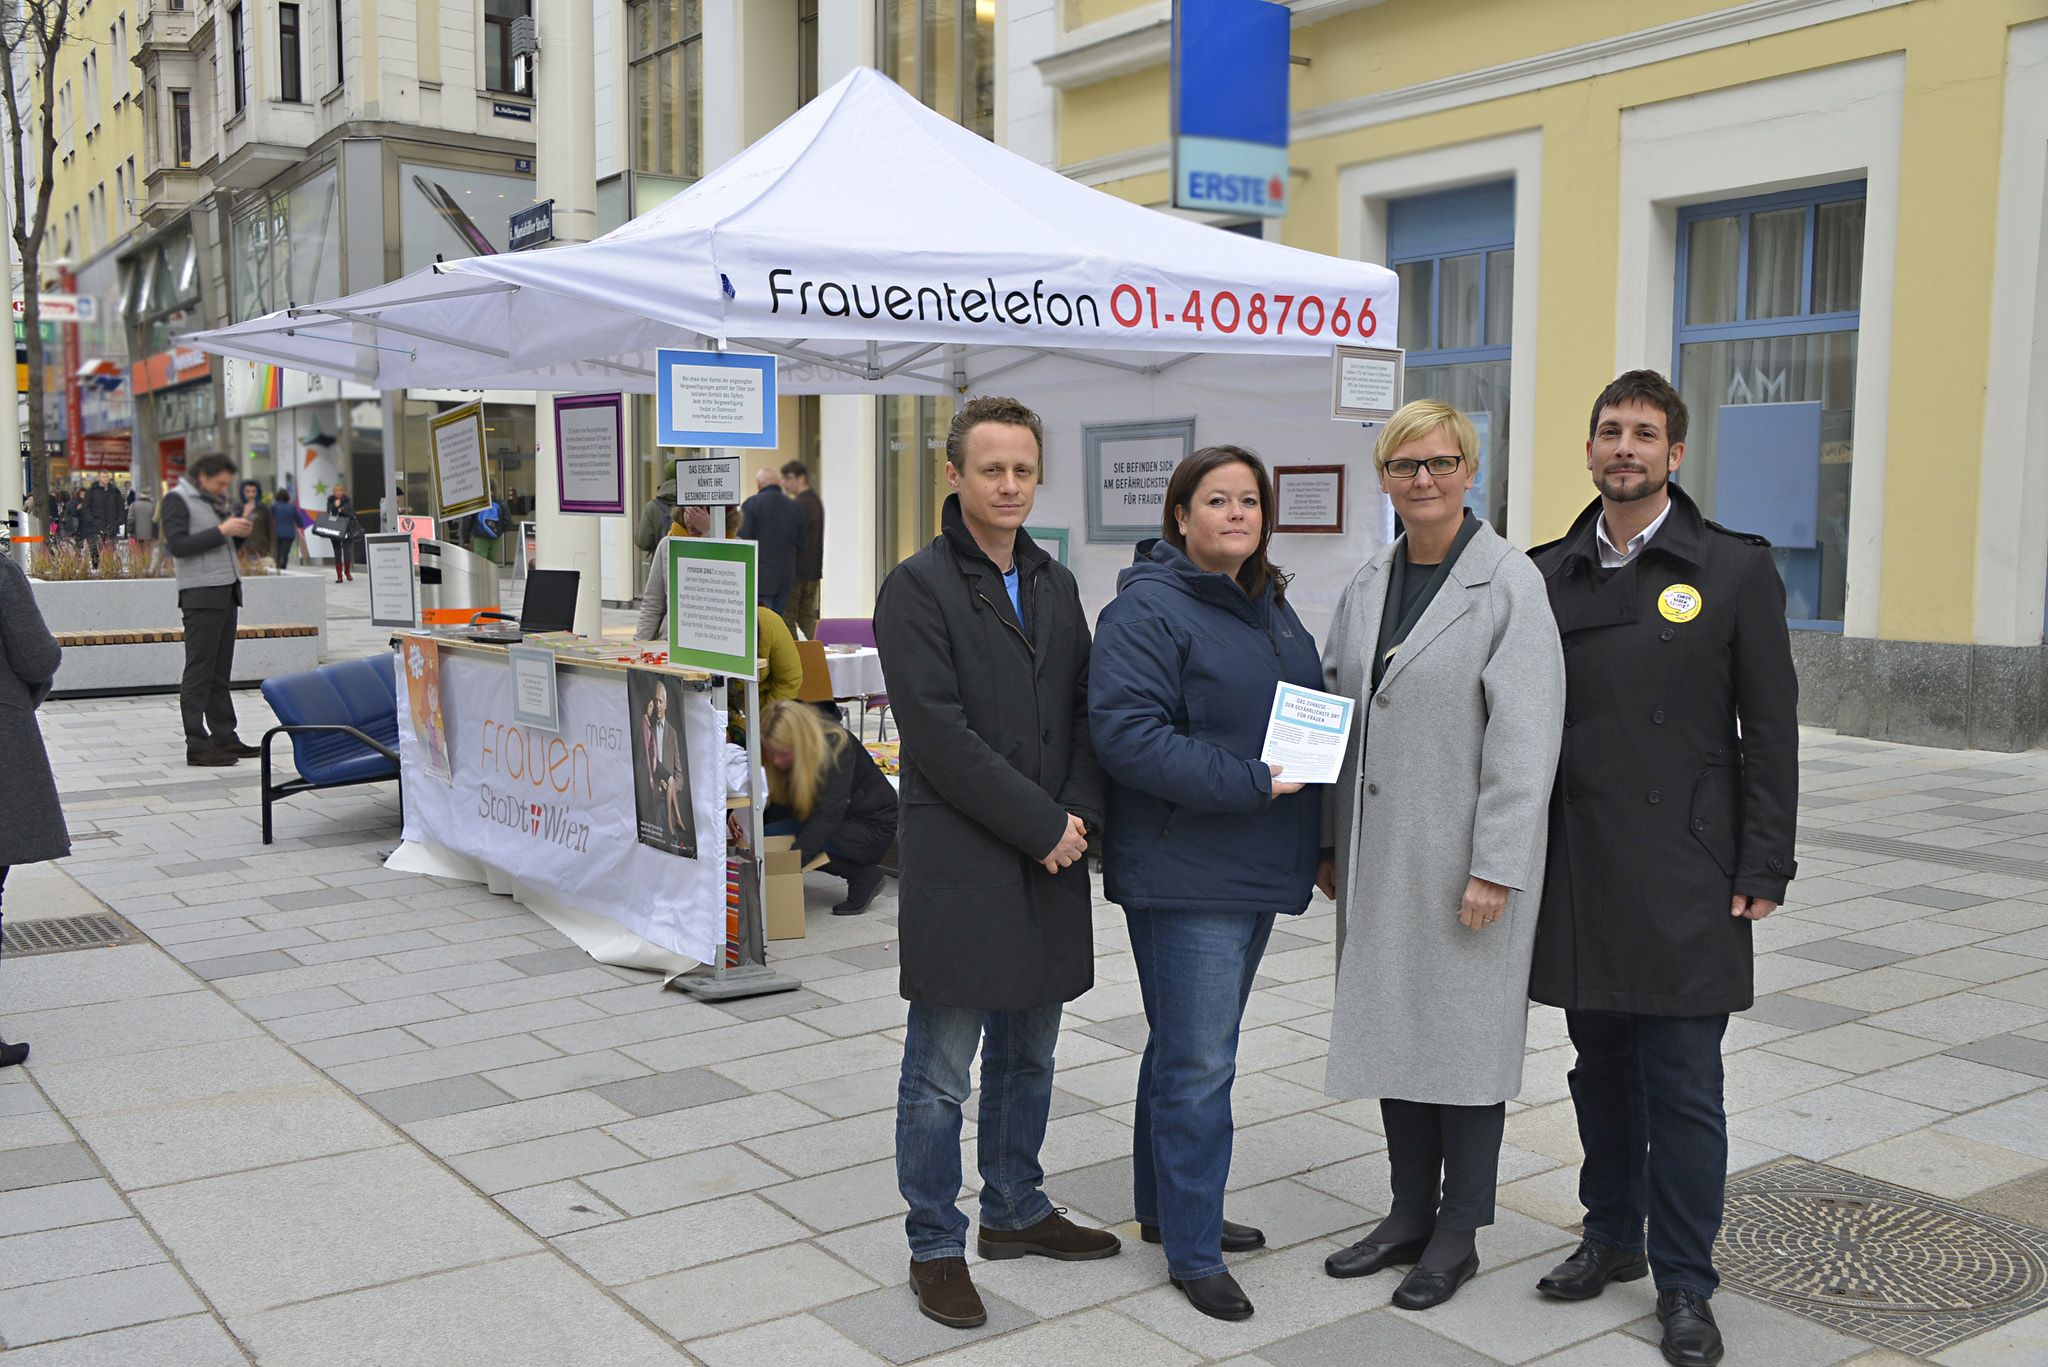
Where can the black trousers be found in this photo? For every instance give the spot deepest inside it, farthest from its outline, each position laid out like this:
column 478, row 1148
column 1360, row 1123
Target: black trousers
column 203, row 699
column 1445, row 1161
column 1648, row 1094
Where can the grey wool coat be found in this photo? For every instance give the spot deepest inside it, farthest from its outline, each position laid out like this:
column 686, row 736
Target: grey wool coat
column 31, row 821
column 1451, row 765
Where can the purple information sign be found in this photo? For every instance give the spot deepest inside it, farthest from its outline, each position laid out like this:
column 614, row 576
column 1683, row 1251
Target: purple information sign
column 590, row 452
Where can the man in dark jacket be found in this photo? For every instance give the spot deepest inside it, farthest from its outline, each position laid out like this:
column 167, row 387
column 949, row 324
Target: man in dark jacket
column 985, row 650
column 806, row 598
column 655, row 516
column 773, row 520
column 200, row 535
column 1671, row 831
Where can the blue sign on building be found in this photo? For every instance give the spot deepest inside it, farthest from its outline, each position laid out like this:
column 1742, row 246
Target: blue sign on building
column 1230, row 70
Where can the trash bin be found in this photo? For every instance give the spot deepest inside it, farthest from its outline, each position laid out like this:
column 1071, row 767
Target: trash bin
column 22, row 537
column 455, row 584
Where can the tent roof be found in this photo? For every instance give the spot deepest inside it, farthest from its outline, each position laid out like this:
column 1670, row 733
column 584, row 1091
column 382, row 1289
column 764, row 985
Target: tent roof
column 875, row 246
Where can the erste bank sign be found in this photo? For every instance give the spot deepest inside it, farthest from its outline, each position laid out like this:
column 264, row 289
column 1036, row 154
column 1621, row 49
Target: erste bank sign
column 1230, row 70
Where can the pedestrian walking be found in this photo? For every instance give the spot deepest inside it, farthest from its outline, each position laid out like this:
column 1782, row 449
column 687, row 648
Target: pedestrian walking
column 1671, row 831
column 198, row 531
column 771, row 519
column 287, row 521
column 261, row 542
column 340, row 524
column 142, row 520
column 31, row 816
column 656, row 515
column 1206, row 844
column 1435, row 830
column 985, row 650
column 806, row 597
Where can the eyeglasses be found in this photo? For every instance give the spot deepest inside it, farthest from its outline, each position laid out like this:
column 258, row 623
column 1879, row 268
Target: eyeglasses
column 1436, row 465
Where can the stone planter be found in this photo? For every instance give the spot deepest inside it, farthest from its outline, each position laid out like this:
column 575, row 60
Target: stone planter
column 291, row 598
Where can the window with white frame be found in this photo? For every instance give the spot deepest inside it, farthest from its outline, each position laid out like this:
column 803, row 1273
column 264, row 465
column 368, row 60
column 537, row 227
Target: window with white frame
column 1769, row 298
column 1454, row 251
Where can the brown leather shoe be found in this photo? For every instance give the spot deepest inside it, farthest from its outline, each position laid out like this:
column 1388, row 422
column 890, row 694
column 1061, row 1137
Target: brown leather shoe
column 1053, row 1237
column 946, row 1293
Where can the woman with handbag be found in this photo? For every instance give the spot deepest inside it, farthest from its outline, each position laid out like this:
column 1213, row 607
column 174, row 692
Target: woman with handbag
column 1434, row 832
column 339, row 525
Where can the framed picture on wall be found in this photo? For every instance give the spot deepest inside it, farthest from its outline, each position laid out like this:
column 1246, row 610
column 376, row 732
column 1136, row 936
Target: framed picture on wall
column 1128, row 465
column 1054, row 539
column 1308, row 498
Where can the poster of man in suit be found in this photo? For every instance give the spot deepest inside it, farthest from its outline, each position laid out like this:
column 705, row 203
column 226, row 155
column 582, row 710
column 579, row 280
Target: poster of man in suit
column 661, row 763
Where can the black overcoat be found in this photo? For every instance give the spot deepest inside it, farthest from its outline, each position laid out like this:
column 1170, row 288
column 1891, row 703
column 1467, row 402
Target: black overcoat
column 1678, row 780
column 995, row 754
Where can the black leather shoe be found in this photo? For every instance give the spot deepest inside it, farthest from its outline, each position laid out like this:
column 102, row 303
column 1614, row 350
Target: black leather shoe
column 1421, row 1288
column 1219, row 1297
column 1236, row 1238
column 1691, row 1338
column 13, row 1054
column 1365, row 1257
column 1592, row 1265
column 239, row 750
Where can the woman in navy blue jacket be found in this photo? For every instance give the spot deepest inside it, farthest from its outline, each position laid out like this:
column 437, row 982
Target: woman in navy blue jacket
column 1204, row 843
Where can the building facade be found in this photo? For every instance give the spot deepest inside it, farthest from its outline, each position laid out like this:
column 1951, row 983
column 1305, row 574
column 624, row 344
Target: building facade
column 95, row 197
column 1822, row 218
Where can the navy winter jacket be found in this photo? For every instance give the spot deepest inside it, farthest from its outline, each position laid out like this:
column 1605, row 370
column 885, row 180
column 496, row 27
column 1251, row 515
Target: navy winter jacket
column 1180, row 686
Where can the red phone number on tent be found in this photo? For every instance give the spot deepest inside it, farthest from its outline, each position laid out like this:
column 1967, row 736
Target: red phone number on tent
column 1305, row 315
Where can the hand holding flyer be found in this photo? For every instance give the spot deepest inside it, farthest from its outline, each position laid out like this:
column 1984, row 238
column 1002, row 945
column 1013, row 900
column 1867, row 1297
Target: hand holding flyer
column 1307, row 733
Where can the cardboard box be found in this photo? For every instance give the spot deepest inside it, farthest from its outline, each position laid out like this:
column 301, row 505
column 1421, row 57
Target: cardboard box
column 784, row 906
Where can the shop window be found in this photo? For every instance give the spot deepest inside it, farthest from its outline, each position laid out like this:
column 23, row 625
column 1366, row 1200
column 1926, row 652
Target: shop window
column 1768, row 317
column 665, row 74
column 944, row 52
column 1454, row 252
column 911, row 436
column 498, row 17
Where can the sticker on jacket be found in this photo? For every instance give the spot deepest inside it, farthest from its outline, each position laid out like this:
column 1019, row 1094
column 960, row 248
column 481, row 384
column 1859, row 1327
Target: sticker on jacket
column 1679, row 603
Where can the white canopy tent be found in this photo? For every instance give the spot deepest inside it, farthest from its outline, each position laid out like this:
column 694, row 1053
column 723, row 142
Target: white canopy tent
column 878, row 248
column 875, row 246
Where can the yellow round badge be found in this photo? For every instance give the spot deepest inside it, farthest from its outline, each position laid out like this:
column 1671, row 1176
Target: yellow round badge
column 1679, row 603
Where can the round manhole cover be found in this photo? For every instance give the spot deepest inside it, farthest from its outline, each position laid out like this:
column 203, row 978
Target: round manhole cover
column 1872, row 1252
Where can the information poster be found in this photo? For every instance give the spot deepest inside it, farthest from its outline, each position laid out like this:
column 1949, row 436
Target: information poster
column 1129, row 465
column 714, row 398
column 1309, row 498
column 713, row 481
column 535, row 702
column 422, row 661
column 1366, row 383
column 590, row 446
column 711, row 611
column 394, row 596
column 661, row 763
column 461, row 485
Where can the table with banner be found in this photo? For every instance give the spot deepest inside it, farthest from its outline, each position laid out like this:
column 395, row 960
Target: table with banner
column 554, row 819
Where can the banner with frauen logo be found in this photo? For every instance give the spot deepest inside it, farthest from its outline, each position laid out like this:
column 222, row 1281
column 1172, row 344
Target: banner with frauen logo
column 557, row 811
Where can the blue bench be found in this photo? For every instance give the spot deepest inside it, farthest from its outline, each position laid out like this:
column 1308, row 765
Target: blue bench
column 343, row 721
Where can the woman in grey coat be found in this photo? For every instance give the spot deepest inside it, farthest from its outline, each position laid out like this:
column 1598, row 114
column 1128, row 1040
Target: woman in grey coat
column 1434, row 837
column 31, row 821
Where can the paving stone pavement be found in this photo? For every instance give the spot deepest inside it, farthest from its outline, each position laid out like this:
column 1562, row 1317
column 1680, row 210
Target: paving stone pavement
column 329, row 1114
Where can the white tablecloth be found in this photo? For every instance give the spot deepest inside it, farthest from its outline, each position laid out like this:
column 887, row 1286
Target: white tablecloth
column 856, row 675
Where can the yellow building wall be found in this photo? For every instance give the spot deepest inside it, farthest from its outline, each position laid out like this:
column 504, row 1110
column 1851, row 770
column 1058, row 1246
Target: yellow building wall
column 1953, row 105
column 95, row 158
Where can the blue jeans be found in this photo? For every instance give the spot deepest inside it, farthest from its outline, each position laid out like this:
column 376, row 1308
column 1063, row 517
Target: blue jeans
column 1648, row 1094
column 1195, row 969
column 1016, row 1094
